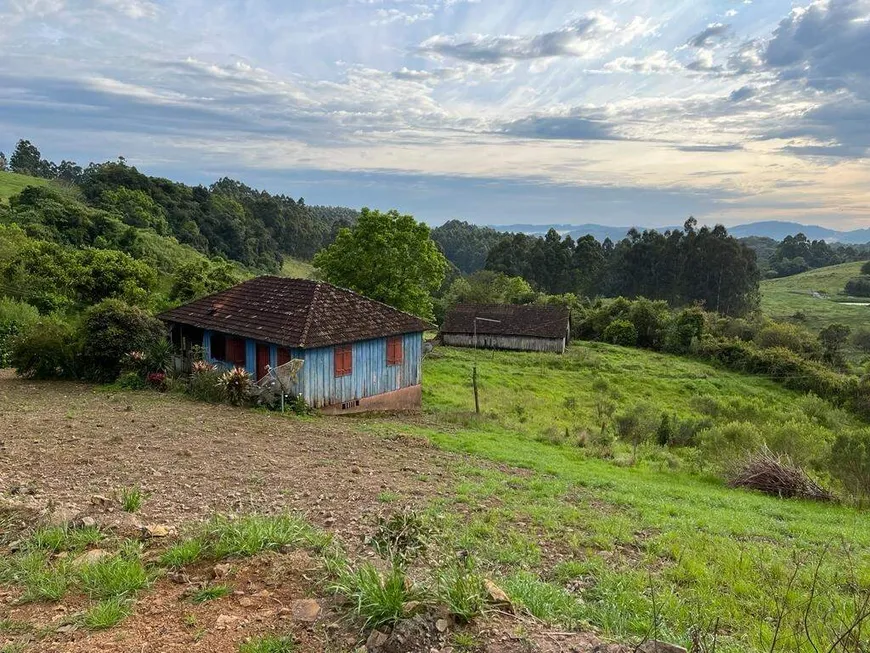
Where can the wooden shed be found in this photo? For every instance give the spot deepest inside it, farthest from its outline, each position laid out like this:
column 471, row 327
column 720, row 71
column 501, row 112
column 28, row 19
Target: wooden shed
column 538, row 327
column 358, row 354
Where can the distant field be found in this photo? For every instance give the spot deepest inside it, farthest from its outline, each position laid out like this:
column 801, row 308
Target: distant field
column 782, row 298
column 12, row 184
column 296, row 269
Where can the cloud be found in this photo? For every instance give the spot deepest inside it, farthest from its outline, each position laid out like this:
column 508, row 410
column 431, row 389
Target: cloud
column 572, row 127
column 659, row 62
column 711, row 35
column 730, row 147
column 584, row 37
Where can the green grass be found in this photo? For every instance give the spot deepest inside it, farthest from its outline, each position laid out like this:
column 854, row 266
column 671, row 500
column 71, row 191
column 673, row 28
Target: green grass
column 269, row 644
column 209, row 593
column 131, row 499
column 377, row 599
column 107, row 613
column 297, row 269
column 41, row 578
column 63, row 538
column 251, row 534
column 182, row 553
column 113, row 577
column 580, row 539
column 12, row 184
column 782, row 298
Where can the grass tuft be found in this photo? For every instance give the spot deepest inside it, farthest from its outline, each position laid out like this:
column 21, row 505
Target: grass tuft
column 252, row 534
column 183, row 553
column 269, row 644
column 115, row 576
column 63, row 538
column 209, row 593
column 379, row 600
column 131, row 499
column 462, row 590
column 41, row 580
column 107, row 613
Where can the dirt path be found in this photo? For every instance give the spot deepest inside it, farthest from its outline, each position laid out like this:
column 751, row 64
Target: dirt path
column 68, row 442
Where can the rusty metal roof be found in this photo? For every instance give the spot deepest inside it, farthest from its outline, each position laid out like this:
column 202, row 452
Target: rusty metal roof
column 534, row 320
column 295, row 313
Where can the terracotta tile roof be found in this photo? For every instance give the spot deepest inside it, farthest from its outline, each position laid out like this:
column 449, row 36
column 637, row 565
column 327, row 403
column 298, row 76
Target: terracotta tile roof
column 537, row 320
column 295, row 313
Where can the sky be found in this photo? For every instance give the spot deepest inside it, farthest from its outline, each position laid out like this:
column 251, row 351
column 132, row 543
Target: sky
column 617, row 112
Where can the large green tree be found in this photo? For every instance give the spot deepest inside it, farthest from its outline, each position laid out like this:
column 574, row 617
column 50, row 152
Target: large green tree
column 388, row 257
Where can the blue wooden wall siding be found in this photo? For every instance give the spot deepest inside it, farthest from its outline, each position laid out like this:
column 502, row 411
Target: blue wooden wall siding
column 371, row 375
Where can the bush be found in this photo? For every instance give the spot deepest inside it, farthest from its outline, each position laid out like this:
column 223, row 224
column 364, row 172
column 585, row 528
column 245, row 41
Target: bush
column 861, row 339
column 805, row 443
column 205, row 383
column 15, row 317
column 787, row 336
column 621, row 332
column 236, row 386
column 723, row 444
column 111, row 330
column 685, row 328
column 858, row 286
column 850, row 462
column 48, row 349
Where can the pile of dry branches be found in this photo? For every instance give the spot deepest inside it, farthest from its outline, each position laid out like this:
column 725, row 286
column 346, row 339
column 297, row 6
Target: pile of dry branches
column 777, row 475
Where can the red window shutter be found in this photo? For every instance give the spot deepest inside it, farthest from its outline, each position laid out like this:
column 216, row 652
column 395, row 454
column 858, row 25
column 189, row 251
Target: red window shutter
column 283, row 356
column 343, row 360
column 236, row 351
column 395, row 354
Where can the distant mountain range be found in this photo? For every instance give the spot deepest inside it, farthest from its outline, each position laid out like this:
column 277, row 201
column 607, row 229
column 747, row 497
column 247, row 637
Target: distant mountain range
column 769, row 229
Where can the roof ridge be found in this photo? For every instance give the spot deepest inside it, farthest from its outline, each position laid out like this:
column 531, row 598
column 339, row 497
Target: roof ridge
column 384, row 304
column 303, row 340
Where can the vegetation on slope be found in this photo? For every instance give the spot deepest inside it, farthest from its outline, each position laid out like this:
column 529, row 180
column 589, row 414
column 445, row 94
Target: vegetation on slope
column 12, row 184
column 614, row 544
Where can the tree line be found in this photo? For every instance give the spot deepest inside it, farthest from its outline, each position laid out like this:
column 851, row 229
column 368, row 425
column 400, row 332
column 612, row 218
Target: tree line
column 227, row 219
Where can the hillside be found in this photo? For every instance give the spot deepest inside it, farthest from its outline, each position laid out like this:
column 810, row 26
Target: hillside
column 12, row 184
column 581, row 544
column 818, row 295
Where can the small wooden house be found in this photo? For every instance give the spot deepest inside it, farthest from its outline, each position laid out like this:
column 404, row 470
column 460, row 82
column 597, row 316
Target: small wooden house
column 538, row 327
column 358, row 354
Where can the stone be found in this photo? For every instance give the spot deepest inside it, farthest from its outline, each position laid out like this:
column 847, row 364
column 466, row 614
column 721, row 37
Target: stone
column 497, row 595
column 306, row 610
column 356, row 469
column 376, row 640
column 442, row 625
column 60, row 517
column 656, row 646
column 246, row 602
column 410, row 607
column 221, row 571
column 100, row 500
column 178, row 578
column 88, row 522
column 157, row 530
column 226, row 621
column 89, row 557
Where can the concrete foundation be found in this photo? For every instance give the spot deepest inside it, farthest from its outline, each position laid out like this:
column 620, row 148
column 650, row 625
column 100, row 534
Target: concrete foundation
column 405, row 400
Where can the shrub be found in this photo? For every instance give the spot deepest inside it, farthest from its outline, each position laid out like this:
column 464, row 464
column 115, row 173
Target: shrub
column 861, row 339
column 15, row 318
column 850, row 462
column 205, row 383
column 723, row 444
column 111, row 329
column 865, row 269
column 685, row 328
column 636, row 426
column 236, row 386
column 805, row 443
column 787, row 336
column 157, row 381
column 621, row 332
column 48, row 349
column 649, row 319
column 858, row 286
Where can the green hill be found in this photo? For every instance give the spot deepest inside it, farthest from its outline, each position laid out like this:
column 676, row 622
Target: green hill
column 622, row 533
column 12, row 184
column 818, row 295
column 297, row 269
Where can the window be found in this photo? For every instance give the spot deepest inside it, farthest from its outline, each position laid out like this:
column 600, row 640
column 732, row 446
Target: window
column 343, row 360
column 218, row 347
column 395, row 354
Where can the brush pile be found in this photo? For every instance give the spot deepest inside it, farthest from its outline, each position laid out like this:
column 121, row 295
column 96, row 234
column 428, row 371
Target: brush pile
column 777, row 476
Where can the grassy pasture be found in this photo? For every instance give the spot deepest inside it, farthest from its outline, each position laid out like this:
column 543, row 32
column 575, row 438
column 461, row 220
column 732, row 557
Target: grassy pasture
column 583, row 540
column 12, row 184
column 296, row 269
column 782, row 298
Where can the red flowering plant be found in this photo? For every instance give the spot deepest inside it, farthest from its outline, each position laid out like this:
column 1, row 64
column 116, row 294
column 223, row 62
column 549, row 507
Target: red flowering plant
column 156, row 380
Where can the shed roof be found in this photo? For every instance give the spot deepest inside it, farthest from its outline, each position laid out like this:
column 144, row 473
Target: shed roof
column 295, row 313
column 538, row 320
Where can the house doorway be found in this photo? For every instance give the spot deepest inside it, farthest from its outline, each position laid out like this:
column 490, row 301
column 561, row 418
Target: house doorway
column 263, row 357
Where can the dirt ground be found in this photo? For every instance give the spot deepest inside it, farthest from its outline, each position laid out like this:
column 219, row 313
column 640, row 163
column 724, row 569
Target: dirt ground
column 69, row 448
